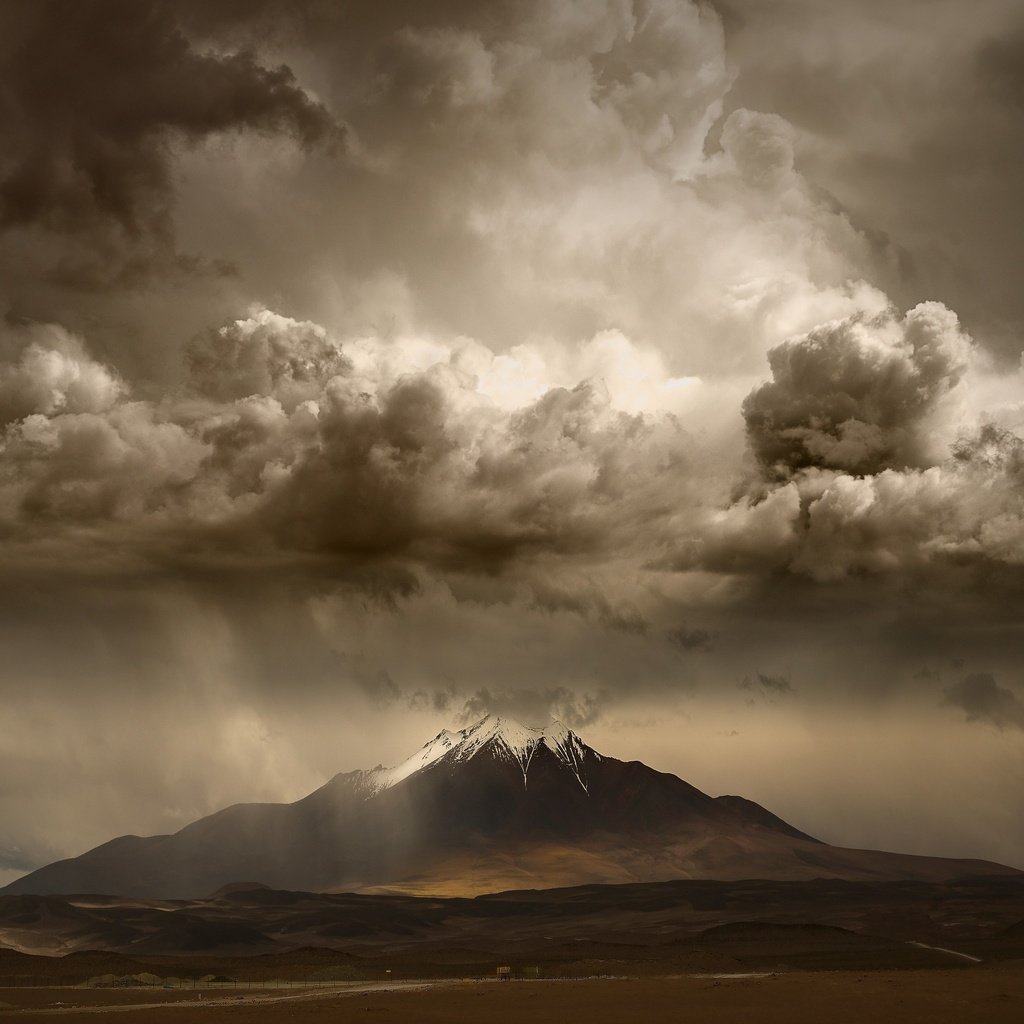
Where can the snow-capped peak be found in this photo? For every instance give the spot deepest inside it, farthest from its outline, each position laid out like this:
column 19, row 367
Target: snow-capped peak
column 520, row 742
column 503, row 736
column 381, row 778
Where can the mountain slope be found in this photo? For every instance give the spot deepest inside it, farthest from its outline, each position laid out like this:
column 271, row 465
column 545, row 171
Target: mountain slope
column 497, row 805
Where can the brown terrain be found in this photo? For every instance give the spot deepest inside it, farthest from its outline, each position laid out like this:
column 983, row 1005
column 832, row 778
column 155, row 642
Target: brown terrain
column 993, row 995
column 980, row 916
column 786, row 951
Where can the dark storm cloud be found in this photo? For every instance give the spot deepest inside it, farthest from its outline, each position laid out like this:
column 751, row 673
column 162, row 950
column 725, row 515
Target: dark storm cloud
column 95, row 95
column 952, row 523
column 438, row 475
column 286, row 444
column 289, row 444
column 854, row 395
column 984, row 700
column 858, row 470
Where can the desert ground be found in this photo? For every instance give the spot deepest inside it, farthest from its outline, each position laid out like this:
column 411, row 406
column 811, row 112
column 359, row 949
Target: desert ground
column 688, row 951
column 992, row 995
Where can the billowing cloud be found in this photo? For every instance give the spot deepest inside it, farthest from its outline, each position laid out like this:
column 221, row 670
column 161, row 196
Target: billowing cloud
column 399, row 454
column 832, row 526
column 265, row 355
column 944, row 516
column 52, row 373
column 984, row 700
column 290, row 443
column 855, row 395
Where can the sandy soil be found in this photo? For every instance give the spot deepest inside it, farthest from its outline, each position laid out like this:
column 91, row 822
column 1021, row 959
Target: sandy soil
column 986, row 996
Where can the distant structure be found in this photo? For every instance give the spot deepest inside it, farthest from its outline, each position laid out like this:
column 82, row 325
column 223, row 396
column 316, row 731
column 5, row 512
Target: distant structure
column 504, row 973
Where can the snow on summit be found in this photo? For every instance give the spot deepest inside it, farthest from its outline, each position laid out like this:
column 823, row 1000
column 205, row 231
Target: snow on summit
column 502, row 737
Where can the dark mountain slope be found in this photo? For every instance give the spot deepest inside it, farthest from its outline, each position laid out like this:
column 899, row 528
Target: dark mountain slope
column 494, row 806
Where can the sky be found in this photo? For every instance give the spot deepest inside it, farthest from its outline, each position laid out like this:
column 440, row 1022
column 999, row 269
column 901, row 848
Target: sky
column 654, row 365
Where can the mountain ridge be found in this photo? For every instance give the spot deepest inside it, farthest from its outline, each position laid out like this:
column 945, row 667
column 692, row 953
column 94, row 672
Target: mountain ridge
column 520, row 742
column 496, row 805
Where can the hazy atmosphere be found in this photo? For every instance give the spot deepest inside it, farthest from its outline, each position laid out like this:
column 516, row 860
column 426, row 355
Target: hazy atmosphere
column 651, row 365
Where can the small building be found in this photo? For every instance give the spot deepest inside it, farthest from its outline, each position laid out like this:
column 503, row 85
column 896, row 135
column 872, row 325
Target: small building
column 504, row 973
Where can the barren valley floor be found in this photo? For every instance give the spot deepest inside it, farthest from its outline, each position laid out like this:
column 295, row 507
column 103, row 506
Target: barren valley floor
column 992, row 995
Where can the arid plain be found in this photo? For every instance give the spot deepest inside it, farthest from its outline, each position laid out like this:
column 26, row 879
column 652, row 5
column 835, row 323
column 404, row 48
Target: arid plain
column 698, row 950
column 989, row 994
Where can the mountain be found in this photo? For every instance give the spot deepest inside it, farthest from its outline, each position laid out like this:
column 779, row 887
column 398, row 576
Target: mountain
column 495, row 806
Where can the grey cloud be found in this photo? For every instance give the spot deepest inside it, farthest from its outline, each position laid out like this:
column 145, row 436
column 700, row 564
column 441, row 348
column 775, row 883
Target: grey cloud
column 13, row 858
column 854, row 395
column 947, row 517
column 538, row 706
column 425, row 470
column 994, row 448
column 95, row 96
column 769, row 686
column 439, row 701
column 955, row 521
column 761, row 146
column 541, row 170
column 76, row 447
column 775, row 684
column 48, row 372
column 984, row 700
column 587, row 598
column 999, row 66
column 89, row 467
column 687, row 639
column 345, row 459
column 265, row 355
column 329, row 459
column 622, row 66
column 875, row 125
column 381, row 690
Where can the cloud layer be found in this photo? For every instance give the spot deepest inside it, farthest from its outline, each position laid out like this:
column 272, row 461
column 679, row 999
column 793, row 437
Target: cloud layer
column 283, row 442
column 366, row 367
column 95, row 96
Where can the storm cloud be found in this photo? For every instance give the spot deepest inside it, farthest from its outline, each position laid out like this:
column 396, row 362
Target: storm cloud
column 94, row 96
column 984, row 700
column 856, row 395
column 286, row 441
column 369, row 367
